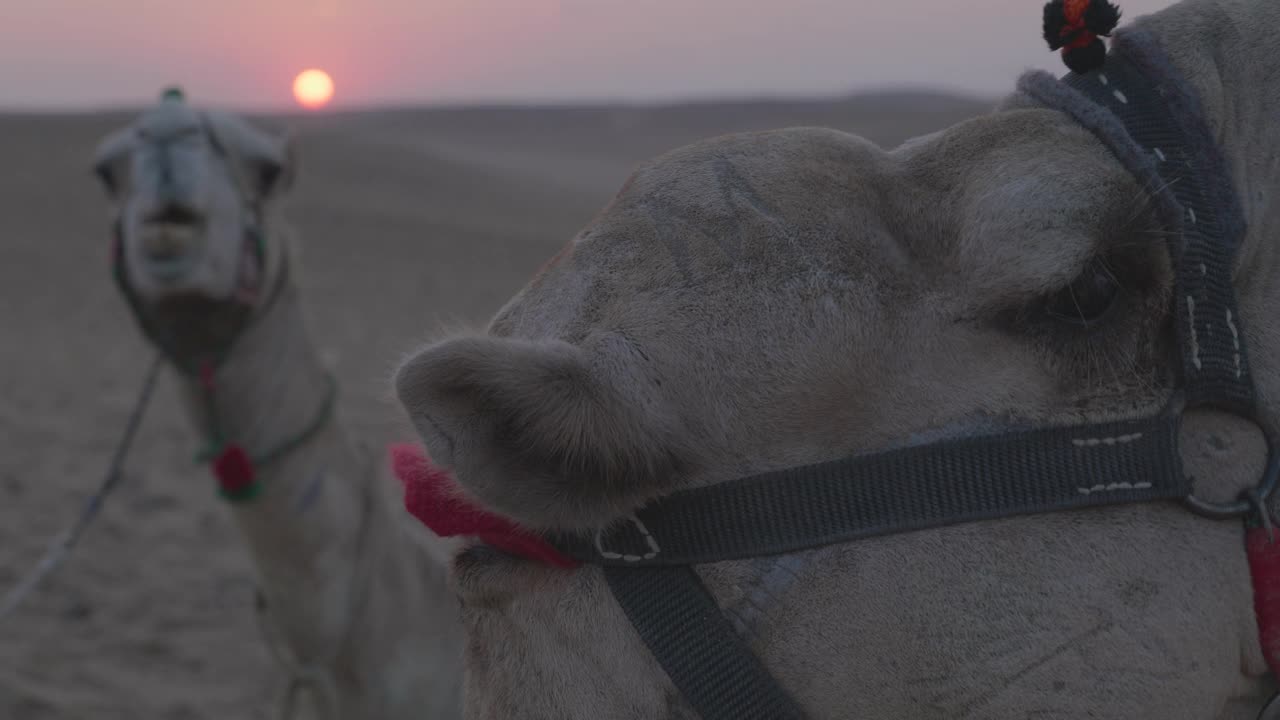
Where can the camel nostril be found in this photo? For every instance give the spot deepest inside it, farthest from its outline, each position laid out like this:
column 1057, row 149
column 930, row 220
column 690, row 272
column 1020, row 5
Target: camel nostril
column 175, row 214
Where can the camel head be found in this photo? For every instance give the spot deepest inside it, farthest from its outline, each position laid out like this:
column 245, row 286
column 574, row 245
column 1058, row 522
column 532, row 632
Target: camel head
column 765, row 301
column 191, row 195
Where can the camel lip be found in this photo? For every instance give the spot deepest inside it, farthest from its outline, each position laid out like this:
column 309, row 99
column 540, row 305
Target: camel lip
column 484, row 576
column 472, row 562
column 472, row 549
column 169, row 270
column 170, row 252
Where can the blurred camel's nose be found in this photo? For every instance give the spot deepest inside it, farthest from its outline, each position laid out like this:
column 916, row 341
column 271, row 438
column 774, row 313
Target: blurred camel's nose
column 170, row 232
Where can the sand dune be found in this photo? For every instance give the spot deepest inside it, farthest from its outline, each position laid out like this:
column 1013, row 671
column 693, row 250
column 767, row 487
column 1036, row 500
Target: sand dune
column 409, row 218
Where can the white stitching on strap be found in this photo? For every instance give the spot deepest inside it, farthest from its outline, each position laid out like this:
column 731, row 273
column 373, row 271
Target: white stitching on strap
column 1195, row 344
column 1113, row 487
column 1235, row 343
column 1191, row 212
column 653, row 545
column 1160, row 154
column 1103, row 79
column 1120, row 96
column 1094, row 442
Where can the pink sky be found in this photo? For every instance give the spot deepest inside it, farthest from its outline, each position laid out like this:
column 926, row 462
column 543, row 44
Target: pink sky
column 244, row 53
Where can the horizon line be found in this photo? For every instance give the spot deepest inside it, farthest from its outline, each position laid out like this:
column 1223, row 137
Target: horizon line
column 517, row 103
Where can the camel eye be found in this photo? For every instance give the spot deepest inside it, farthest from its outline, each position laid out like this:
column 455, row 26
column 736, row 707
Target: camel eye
column 1087, row 299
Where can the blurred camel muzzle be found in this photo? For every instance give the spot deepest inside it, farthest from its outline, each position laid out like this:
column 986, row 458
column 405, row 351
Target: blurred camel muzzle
column 171, row 238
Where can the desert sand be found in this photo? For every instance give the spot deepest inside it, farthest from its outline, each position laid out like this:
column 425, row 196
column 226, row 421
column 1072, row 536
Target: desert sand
column 410, row 220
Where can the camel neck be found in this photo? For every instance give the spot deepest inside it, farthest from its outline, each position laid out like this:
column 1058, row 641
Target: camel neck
column 304, row 527
column 270, row 383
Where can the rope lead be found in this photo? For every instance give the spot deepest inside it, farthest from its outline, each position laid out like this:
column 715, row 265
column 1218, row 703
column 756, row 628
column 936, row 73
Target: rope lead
column 63, row 544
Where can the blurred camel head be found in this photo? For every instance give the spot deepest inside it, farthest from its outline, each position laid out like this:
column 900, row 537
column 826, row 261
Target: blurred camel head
column 766, row 301
column 192, row 193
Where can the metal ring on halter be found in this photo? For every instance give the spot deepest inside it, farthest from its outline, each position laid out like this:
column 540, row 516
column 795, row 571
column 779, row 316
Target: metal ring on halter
column 1252, row 500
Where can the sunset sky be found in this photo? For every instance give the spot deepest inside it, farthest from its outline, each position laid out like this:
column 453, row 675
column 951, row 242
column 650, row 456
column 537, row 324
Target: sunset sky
column 72, row 54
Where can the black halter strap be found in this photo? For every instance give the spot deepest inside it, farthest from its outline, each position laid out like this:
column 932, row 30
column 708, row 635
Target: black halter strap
column 1154, row 124
column 1150, row 120
column 902, row 490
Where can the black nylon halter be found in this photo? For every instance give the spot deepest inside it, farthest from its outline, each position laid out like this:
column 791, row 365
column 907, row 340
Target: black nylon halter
column 1153, row 124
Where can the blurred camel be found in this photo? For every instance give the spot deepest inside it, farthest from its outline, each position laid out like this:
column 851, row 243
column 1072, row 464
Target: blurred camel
column 357, row 595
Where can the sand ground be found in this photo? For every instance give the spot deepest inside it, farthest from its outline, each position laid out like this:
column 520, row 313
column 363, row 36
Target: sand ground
column 409, row 219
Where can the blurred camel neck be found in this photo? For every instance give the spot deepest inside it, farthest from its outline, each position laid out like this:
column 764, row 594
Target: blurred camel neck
column 305, row 527
column 334, row 560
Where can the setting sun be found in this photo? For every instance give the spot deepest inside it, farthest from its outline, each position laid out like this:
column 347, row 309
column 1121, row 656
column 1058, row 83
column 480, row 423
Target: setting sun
column 313, row 88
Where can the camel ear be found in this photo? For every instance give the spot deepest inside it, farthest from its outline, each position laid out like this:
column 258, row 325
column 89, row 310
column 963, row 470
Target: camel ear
column 111, row 161
column 267, row 160
column 543, row 432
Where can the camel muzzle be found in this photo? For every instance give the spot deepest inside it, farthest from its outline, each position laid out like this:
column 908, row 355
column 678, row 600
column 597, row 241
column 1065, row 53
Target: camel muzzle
column 171, row 241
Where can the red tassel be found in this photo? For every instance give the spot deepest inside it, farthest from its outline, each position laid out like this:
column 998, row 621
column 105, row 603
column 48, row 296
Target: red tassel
column 432, row 496
column 1264, row 566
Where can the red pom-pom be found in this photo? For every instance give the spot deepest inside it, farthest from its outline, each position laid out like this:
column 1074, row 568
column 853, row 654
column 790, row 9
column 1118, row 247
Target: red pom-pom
column 234, row 470
column 431, row 496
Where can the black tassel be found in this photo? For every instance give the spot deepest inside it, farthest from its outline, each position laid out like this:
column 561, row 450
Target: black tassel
column 1101, row 17
column 1076, row 27
column 1055, row 19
